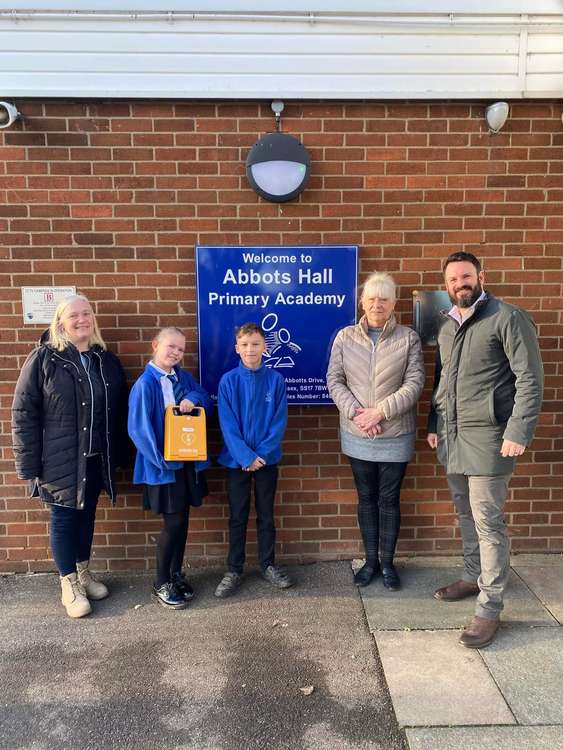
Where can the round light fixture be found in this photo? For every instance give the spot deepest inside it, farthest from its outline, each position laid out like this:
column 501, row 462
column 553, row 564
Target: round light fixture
column 278, row 167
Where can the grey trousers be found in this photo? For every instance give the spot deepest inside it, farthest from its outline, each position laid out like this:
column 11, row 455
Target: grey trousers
column 479, row 502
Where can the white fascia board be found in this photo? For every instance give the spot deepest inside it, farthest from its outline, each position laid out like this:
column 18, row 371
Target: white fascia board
column 398, row 7
column 329, row 95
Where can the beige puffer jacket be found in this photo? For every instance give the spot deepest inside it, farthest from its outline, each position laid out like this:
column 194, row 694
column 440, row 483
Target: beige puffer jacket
column 389, row 376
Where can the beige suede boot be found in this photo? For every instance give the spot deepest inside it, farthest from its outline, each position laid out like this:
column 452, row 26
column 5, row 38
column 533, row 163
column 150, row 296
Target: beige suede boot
column 94, row 589
column 74, row 596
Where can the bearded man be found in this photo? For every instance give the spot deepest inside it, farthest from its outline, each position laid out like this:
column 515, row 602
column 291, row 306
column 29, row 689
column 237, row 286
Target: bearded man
column 485, row 405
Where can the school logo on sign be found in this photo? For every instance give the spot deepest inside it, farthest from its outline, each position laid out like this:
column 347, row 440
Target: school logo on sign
column 278, row 342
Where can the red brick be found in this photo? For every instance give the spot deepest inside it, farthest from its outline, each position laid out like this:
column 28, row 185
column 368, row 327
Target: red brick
column 112, row 197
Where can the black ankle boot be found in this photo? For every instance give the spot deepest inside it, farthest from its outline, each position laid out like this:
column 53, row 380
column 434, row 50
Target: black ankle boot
column 366, row 574
column 391, row 579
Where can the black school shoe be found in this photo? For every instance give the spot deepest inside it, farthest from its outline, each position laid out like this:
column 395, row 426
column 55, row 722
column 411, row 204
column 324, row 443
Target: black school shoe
column 183, row 586
column 168, row 596
column 391, row 579
column 366, row 574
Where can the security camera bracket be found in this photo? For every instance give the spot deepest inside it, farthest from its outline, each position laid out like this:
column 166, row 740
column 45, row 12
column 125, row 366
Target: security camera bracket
column 8, row 114
column 277, row 108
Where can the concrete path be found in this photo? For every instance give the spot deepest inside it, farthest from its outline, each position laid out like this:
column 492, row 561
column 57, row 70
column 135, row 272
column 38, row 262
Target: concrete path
column 222, row 675
column 509, row 695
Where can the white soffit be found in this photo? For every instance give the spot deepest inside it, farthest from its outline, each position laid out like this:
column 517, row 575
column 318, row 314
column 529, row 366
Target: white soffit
column 323, row 50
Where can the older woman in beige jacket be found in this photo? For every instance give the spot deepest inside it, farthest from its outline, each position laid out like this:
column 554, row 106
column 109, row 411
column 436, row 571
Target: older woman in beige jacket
column 375, row 378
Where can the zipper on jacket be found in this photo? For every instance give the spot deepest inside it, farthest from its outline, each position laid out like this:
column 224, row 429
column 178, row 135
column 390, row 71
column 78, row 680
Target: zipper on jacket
column 80, row 504
column 450, row 377
column 457, row 336
column 252, row 397
column 91, row 404
column 371, row 378
column 371, row 396
column 108, row 468
column 91, row 393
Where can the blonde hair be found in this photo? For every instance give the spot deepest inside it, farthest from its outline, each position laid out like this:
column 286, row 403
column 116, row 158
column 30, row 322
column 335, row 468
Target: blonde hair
column 57, row 335
column 379, row 284
column 168, row 331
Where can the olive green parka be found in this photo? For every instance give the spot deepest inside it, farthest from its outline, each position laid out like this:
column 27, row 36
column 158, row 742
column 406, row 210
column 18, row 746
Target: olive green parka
column 488, row 388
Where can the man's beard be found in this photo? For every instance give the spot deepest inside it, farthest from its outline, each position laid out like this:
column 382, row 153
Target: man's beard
column 465, row 301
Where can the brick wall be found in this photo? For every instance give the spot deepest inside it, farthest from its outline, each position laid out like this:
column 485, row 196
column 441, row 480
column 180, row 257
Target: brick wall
column 113, row 196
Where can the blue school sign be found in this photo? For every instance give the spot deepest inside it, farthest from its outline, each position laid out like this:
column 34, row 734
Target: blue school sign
column 301, row 296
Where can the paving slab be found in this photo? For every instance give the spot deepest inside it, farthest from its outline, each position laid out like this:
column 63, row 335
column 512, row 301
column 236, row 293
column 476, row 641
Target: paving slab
column 536, row 559
column 527, row 665
column 424, row 561
column 477, row 738
column 414, row 607
column 546, row 582
column 220, row 675
column 434, row 681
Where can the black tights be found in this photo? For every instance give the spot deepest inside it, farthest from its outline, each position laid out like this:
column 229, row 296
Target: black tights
column 171, row 545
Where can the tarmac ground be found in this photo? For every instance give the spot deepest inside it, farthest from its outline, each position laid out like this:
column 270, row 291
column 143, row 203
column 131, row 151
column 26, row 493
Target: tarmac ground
column 222, row 675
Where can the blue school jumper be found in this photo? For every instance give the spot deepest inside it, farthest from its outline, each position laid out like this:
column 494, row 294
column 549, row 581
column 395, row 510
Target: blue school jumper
column 146, row 425
column 252, row 408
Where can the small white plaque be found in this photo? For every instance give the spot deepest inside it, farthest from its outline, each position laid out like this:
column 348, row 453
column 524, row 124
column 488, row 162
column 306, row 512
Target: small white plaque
column 40, row 302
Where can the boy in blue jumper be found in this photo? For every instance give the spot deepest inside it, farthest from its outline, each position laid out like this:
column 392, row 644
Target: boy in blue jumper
column 252, row 406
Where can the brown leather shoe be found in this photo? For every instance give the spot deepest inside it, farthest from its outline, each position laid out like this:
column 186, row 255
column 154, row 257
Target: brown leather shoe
column 456, row 591
column 479, row 633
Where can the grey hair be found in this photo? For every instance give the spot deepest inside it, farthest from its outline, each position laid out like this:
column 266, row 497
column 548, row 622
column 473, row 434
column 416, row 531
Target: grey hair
column 379, row 284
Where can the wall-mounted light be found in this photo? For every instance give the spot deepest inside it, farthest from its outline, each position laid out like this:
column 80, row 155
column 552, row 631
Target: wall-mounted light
column 278, row 165
column 496, row 115
column 8, row 114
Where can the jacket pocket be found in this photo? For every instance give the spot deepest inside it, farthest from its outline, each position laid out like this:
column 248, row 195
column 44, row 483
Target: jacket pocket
column 501, row 404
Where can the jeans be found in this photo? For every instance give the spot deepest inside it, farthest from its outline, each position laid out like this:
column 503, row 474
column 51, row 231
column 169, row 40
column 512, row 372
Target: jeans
column 239, row 486
column 72, row 530
column 479, row 502
column 379, row 515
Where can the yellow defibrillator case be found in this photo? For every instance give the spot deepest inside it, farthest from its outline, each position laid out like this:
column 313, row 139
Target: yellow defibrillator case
column 185, row 437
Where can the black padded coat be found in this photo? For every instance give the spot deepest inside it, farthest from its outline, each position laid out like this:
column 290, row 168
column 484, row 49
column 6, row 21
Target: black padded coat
column 52, row 418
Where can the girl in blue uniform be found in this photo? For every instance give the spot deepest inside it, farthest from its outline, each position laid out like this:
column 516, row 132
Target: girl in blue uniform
column 170, row 487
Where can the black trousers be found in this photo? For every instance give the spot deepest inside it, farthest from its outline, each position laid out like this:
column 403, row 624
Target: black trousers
column 379, row 515
column 239, row 487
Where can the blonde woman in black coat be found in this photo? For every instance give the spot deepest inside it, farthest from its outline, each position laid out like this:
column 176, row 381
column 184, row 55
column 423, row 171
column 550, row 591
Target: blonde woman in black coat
column 69, row 434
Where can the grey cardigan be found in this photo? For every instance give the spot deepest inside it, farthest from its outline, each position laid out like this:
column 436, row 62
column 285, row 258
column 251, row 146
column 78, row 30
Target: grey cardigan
column 389, row 375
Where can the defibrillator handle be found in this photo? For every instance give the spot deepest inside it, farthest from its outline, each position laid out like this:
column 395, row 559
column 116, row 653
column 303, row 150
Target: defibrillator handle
column 195, row 412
